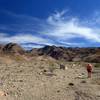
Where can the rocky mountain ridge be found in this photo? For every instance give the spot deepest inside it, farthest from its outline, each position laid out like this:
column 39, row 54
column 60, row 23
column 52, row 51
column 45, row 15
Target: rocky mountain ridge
column 59, row 53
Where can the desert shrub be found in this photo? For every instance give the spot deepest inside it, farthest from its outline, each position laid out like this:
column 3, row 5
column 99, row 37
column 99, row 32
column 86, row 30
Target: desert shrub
column 52, row 68
column 18, row 58
column 62, row 66
column 97, row 65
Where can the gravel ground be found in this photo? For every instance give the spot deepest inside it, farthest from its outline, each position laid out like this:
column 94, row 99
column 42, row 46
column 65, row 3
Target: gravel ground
column 42, row 79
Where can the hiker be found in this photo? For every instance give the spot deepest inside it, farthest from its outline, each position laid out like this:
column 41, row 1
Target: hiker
column 89, row 70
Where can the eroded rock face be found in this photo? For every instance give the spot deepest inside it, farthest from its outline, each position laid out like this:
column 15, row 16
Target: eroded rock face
column 72, row 54
column 13, row 48
column 58, row 53
column 33, row 52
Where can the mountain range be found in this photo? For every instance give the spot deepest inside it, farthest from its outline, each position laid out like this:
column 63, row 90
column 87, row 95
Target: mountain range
column 90, row 54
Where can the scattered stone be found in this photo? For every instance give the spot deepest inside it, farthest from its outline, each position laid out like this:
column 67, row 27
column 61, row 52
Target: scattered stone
column 13, row 86
column 83, row 81
column 58, row 91
column 2, row 93
column 20, row 80
column 83, row 73
column 80, row 76
column 40, row 73
column 66, row 68
column 21, row 71
column 50, row 74
column 44, row 70
column 71, row 84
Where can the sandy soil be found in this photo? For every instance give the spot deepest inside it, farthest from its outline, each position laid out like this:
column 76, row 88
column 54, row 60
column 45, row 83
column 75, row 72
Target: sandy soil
column 42, row 79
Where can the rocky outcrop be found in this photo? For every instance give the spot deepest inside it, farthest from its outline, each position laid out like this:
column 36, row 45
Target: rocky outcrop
column 58, row 53
column 72, row 54
column 13, row 48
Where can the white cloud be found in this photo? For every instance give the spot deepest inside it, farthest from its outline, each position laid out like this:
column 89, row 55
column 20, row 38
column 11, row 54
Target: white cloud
column 22, row 39
column 30, row 46
column 56, row 17
column 59, row 29
column 72, row 28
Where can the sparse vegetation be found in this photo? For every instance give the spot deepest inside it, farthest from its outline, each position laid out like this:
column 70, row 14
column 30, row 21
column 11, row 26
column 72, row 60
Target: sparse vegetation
column 52, row 67
column 97, row 65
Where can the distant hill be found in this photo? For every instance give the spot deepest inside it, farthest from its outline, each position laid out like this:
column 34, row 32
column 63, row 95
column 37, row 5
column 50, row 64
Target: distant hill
column 12, row 48
column 72, row 54
column 58, row 53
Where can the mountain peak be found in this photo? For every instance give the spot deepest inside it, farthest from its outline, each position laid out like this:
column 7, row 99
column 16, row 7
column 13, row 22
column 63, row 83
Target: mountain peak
column 13, row 48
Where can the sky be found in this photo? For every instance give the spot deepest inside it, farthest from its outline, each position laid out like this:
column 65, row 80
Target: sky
column 36, row 23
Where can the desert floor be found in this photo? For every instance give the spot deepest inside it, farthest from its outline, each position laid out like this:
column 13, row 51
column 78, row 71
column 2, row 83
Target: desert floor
column 42, row 79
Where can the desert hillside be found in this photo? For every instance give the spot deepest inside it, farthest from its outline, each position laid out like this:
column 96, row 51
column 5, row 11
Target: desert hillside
column 49, row 73
column 58, row 53
column 44, row 79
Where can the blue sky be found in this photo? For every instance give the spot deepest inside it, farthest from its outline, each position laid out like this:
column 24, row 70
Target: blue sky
column 36, row 23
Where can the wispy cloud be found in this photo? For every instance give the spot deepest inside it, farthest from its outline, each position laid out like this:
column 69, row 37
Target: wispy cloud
column 58, row 29
column 71, row 28
column 24, row 39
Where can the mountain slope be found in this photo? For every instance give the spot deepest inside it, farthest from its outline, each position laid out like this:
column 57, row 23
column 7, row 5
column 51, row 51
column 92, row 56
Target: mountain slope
column 58, row 53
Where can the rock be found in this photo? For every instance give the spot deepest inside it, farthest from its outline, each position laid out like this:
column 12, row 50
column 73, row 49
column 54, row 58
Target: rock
column 44, row 70
column 71, row 84
column 66, row 67
column 20, row 80
column 58, row 91
column 40, row 73
column 83, row 81
column 2, row 93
